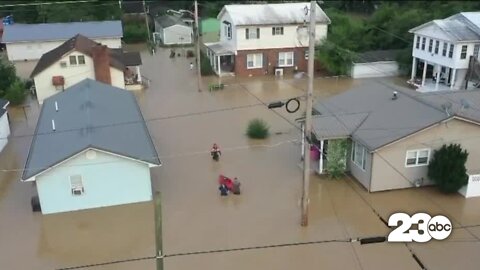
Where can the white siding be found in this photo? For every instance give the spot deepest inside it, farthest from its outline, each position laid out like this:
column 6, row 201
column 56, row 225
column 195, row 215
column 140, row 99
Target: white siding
column 293, row 36
column 4, row 130
column 34, row 50
column 376, row 69
column 177, row 34
column 232, row 43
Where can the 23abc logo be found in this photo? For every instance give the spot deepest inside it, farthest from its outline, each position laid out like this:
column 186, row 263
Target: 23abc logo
column 437, row 227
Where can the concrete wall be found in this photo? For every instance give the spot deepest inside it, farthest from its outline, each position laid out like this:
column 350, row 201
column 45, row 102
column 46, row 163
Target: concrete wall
column 384, row 177
column 270, row 61
column 177, row 34
column 34, row 50
column 293, row 36
column 4, row 130
column 72, row 75
column 363, row 176
column 107, row 179
column 375, row 69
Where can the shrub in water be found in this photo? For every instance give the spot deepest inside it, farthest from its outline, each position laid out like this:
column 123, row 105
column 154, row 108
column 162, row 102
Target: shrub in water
column 257, row 129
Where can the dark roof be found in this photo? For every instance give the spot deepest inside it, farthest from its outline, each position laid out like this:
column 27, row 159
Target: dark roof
column 376, row 56
column 19, row 32
column 84, row 45
column 91, row 115
column 3, row 106
column 169, row 20
column 370, row 116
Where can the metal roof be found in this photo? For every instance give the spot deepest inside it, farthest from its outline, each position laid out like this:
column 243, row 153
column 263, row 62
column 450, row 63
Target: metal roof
column 377, row 56
column 219, row 48
column 169, row 20
column 61, row 31
column 90, row 115
column 464, row 26
column 271, row 14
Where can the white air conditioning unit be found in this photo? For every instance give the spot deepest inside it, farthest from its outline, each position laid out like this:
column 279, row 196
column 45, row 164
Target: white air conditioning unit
column 279, row 72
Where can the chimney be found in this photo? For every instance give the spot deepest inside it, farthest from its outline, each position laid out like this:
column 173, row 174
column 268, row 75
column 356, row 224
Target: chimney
column 101, row 63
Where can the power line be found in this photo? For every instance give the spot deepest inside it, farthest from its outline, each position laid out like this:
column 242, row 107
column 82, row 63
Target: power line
column 48, row 3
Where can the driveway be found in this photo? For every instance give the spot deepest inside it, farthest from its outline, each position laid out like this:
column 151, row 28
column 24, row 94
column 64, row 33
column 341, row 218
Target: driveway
column 258, row 229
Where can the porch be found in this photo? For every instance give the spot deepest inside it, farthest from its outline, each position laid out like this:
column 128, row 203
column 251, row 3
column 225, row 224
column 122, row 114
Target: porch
column 134, row 79
column 222, row 59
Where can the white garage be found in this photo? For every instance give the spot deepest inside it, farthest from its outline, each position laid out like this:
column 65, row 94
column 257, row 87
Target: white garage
column 4, row 124
column 172, row 30
column 375, row 64
column 31, row 41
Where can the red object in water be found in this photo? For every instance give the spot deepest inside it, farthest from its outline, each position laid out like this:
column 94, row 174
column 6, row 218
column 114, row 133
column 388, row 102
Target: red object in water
column 223, row 180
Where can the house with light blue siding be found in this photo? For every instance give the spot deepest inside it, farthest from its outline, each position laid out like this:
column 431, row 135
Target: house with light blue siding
column 91, row 148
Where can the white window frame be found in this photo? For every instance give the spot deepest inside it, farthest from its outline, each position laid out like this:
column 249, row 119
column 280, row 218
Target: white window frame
column 451, row 50
column 417, row 44
column 445, row 48
column 285, row 56
column 78, row 59
column 76, row 185
column 277, row 31
column 251, row 33
column 356, row 161
column 463, row 53
column 424, row 40
column 228, row 30
column 417, row 157
column 254, row 59
column 70, row 60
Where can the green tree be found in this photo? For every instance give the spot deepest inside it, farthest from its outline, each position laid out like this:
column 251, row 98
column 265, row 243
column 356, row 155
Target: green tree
column 447, row 168
column 337, row 154
column 7, row 76
column 134, row 32
column 16, row 92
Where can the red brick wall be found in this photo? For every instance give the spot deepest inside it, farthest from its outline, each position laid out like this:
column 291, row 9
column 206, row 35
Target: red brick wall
column 101, row 63
column 270, row 61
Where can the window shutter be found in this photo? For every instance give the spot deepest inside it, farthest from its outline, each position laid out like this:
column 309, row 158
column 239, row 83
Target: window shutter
column 258, row 33
column 281, row 30
column 246, row 33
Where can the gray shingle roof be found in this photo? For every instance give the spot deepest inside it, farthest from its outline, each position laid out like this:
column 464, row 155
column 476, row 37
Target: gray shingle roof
column 61, row 31
column 387, row 120
column 91, row 115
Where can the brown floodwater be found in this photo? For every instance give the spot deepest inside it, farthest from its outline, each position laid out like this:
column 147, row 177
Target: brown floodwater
column 184, row 123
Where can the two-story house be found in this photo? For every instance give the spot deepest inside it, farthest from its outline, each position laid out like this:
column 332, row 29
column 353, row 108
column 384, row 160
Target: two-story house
column 260, row 39
column 80, row 58
column 443, row 51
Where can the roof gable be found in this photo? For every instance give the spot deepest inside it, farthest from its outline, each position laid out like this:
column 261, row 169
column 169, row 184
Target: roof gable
column 433, row 30
column 270, row 14
column 463, row 26
column 91, row 115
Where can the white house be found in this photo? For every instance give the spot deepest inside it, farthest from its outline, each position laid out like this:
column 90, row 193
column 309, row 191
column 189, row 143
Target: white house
column 373, row 64
column 79, row 58
column 443, row 51
column 31, row 41
column 4, row 124
column 172, row 30
column 262, row 39
column 91, row 148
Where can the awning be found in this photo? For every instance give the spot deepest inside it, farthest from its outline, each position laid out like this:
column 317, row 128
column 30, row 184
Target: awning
column 219, row 48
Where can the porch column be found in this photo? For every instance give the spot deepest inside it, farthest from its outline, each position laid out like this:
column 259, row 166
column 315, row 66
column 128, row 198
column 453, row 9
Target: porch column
column 139, row 75
column 414, row 68
column 320, row 163
column 452, row 79
column 219, row 67
column 439, row 68
column 424, row 72
column 303, row 140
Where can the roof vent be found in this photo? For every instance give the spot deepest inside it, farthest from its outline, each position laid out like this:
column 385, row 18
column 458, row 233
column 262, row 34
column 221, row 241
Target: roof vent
column 53, row 125
column 395, row 95
column 56, row 106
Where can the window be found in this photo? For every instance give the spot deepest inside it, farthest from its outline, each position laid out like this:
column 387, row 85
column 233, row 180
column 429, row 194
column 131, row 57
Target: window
column 417, row 158
column 81, row 60
column 228, row 29
column 476, row 48
column 450, row 52
column 76, row 185
column 417, row 45
column 430, row 45
column 73, row 60
column 359, row 154
column 63, row 64
column 444, row 51
column 424, row 40
column 285, row 59
column 277, row 31
column 254, row 60
column 437, row 45
column 463, row 55
column 252, row 33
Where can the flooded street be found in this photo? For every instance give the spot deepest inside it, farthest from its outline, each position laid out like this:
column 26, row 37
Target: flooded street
column 262, row 221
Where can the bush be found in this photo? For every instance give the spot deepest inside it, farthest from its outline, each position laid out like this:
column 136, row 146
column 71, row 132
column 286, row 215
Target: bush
column 447, row 168
column 257, row 129
column 135, row 32
column 337, row 153
column 205, row 67
column 16, row 93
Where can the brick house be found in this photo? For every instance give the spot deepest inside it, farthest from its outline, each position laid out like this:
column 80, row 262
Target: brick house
column 259, row 39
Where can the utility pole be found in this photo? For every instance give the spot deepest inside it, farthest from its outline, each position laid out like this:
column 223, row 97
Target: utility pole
column 308, row 118
column 197, row 48
column 146, row 22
